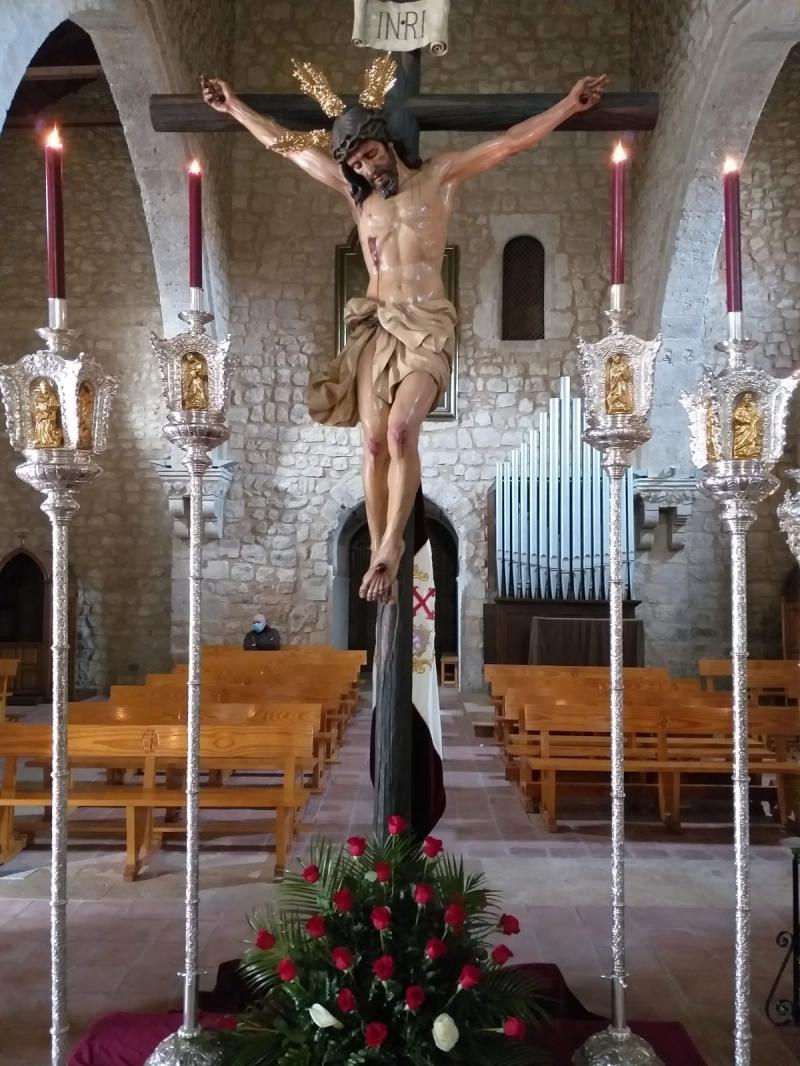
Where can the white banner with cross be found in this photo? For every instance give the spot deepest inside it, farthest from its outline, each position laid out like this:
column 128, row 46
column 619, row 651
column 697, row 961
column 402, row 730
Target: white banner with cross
column 394, row 27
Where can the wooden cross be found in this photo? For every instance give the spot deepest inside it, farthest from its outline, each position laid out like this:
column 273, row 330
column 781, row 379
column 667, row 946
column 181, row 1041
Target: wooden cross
column 413, row 114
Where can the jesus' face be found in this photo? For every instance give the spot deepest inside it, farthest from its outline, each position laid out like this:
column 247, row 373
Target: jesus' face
column 377, row 163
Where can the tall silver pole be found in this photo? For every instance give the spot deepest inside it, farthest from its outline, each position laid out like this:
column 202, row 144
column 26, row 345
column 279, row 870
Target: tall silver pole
column 738, row 521
column 60, row 507
column 59, row 433
column 615, row 464
column 196, row 374
column 617, row 374
column 737, row 421
column 196, row 462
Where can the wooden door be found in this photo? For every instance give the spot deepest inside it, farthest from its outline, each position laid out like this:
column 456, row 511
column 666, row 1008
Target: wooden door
column 363, row 615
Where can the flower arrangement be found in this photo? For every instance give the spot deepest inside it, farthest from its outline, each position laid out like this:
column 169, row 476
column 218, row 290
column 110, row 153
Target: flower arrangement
column 381, row 953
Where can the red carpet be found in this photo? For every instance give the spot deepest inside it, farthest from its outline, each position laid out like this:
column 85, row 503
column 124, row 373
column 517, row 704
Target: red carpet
column 127, row 1039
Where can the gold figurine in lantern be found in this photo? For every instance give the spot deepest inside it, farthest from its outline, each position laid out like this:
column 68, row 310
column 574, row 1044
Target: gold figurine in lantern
column 748, row 428
column 619, row 385
column 712, row 433
column 194, row 382
column 46, row 416
column 85, row 416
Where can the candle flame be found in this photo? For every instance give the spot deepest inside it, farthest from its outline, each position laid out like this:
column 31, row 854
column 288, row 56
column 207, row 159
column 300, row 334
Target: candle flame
column 730, row 165
column 54, row 141
column 195, row 167
column 619, row 155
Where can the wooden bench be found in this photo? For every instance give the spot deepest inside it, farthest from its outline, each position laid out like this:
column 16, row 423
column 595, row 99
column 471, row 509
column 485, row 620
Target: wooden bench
column 504, row 676
column 8, row 671
column 668, row 742
column 275, row 751
column 770, row 682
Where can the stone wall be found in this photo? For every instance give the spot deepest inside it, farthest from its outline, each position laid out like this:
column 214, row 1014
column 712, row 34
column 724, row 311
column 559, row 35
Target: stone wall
column 771, row 300
column 297, row 481
column 119, row 540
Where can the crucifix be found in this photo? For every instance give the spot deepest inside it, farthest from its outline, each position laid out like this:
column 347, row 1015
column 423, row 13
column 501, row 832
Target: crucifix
column 397, row 361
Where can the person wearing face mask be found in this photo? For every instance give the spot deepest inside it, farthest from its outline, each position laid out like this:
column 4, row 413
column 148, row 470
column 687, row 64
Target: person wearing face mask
column 262, row 637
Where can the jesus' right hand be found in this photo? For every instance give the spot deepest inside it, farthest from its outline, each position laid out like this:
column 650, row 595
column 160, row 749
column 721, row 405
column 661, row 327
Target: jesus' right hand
column 217, row 93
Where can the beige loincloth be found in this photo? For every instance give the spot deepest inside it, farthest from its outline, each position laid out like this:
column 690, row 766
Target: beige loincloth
column 408, row 337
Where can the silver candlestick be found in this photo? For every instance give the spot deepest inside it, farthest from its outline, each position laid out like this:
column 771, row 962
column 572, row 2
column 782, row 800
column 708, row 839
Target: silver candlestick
column 737, row 421
column 617, row 375
column 58, row 403
column 196, row 374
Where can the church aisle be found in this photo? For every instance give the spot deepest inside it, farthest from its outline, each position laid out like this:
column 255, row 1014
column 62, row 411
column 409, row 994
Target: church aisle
column 126, row 939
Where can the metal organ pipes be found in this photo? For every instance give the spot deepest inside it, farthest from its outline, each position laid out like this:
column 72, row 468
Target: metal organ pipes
column 551, row 512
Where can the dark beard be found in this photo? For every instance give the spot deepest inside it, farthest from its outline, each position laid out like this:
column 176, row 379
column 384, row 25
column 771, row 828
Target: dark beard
column 390, row 185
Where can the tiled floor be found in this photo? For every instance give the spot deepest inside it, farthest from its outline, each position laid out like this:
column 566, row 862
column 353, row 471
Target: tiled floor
column 125, row 941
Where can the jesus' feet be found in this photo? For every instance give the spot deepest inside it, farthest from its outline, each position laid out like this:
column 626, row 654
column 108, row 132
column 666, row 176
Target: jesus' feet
column 380, row 581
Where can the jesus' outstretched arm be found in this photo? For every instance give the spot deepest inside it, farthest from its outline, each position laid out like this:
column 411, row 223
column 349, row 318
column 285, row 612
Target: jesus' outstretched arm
column 455, row 167
column 316, row 162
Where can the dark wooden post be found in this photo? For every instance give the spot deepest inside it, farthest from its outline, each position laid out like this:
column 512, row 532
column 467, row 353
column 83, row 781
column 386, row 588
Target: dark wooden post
column 394, row 636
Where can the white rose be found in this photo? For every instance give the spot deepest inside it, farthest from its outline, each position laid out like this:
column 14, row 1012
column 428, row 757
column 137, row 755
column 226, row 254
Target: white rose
column 323, row 1018
column 445, row 1033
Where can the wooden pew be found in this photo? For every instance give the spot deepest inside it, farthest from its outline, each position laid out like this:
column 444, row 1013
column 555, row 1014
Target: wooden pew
column 503, row 676
column 8, row 671
column 666, row 741
column 770, row 682
column 271, row 749
column 149, row 711
column 310, row 652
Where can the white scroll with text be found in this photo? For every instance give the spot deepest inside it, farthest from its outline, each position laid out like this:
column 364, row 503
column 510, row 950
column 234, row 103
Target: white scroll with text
column 393, row 27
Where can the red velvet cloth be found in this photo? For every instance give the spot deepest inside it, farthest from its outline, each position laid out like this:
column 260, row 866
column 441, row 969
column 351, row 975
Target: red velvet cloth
column 129, row 1039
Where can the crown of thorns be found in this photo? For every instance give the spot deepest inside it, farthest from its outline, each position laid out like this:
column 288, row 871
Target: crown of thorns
column 379, row 77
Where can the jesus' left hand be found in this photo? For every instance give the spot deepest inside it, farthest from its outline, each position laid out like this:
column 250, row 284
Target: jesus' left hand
column 588, row 92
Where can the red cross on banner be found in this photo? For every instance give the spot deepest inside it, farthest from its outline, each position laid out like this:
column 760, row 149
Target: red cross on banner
column 422, row 601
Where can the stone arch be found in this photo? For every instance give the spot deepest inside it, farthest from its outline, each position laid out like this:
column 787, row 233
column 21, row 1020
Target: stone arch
column 120, row 29
column 741, row 62
column 740, row 74
column 351, row 522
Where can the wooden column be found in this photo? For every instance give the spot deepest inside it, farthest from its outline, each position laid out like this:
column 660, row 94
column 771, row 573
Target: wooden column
column 393, row 639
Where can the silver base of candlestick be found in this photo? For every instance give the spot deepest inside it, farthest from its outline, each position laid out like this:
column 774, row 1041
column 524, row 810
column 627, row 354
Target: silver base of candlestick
column 616, row 1047
column 738, row 484
column 56, row 471
column 196, row 431
column 188, row 1049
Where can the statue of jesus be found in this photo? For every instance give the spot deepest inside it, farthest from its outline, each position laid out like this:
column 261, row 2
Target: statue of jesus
column 397, row 362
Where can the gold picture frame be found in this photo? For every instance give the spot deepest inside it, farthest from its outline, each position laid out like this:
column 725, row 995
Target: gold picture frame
column 352, row 280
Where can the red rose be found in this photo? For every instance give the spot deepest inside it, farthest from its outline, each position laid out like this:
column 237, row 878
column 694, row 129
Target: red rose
column 311, row 874
column 415, row 997
column 455, row 916
column 384, row 967
column 435, row 949
column 397, row 825
column 514, row 1028
column 509, row 924
column 316, row 926
column 501, row 955
column 381, row 917
column 357, row 846
column 383, row 871
column 286, row 970
column 423, row 894
column 375, row 1034
column 341, row 958
column 265, row 940
column 343, row 900
column 346, row 1001
column 470, row 976
column 432, row 847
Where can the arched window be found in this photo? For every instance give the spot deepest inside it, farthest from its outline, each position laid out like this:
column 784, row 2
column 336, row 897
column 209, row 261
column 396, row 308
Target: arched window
column 523, row 290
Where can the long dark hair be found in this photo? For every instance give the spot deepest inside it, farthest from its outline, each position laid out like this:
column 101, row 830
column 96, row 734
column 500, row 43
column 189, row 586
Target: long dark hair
column 356, row 126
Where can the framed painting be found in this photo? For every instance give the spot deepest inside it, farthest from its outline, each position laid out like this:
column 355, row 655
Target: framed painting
column 352, row 279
